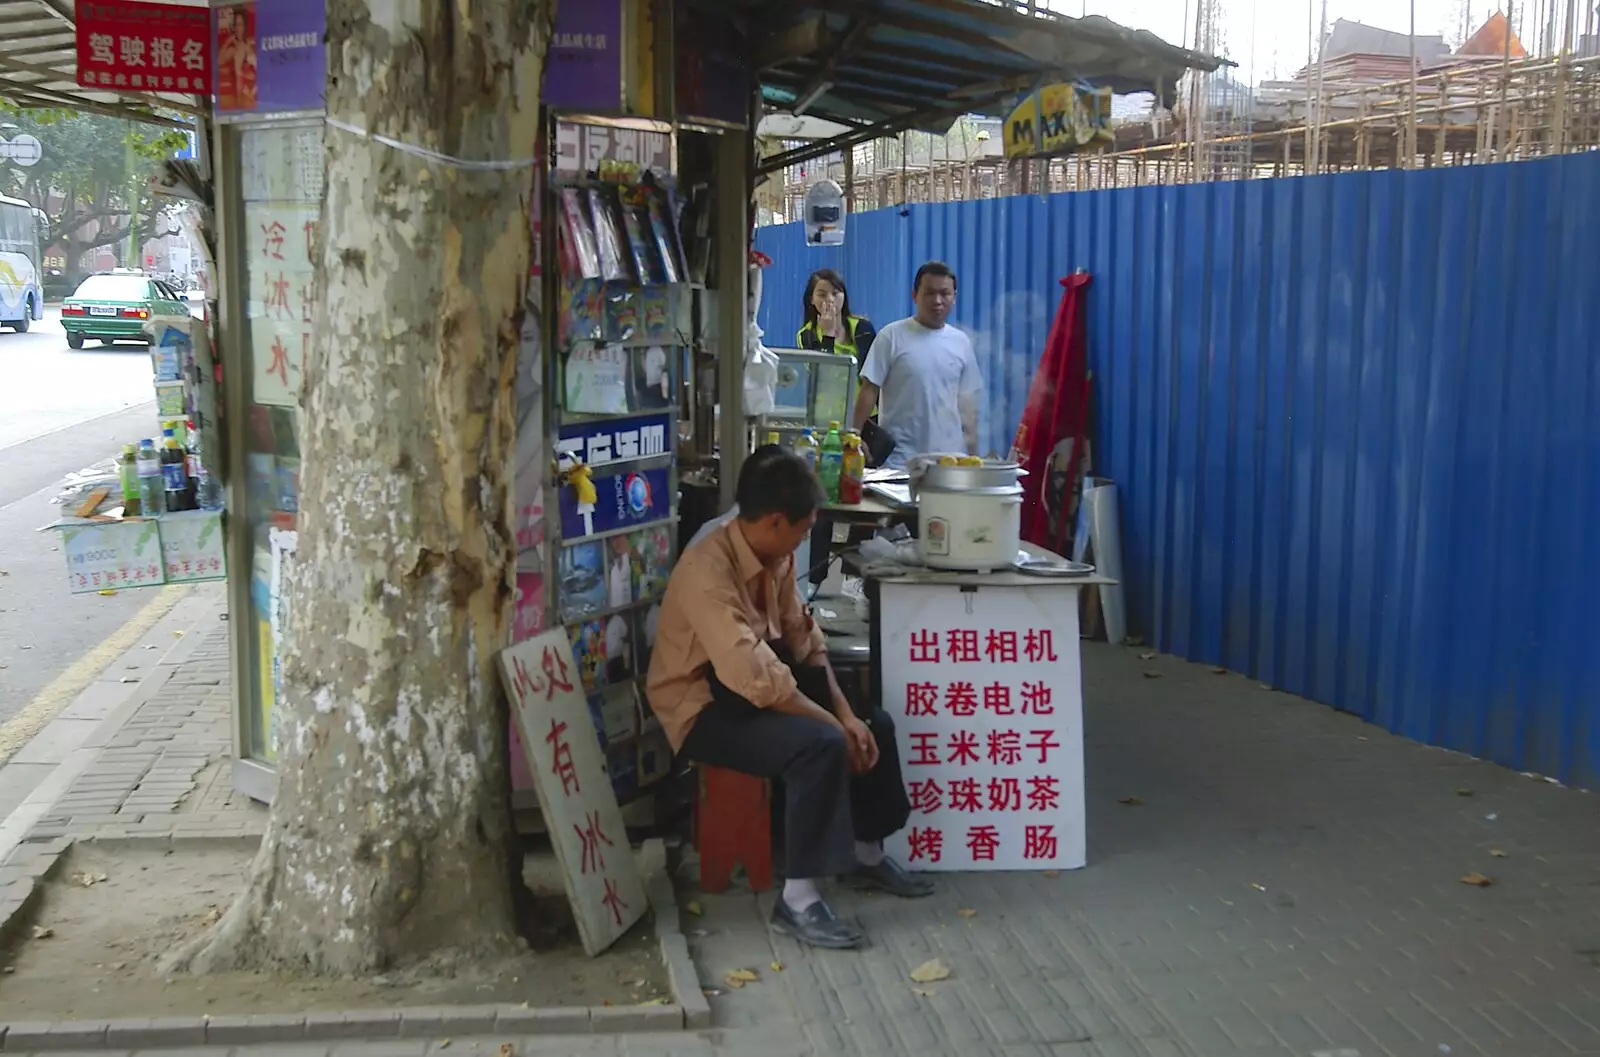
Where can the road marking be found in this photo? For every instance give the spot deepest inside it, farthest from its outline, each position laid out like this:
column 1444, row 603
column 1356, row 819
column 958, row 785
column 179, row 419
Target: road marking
column 20, row 728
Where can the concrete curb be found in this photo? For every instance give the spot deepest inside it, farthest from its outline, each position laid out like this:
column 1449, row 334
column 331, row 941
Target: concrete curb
column 690, row 1010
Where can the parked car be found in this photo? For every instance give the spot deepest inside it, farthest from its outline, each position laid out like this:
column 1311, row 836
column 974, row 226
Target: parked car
column 117, row 306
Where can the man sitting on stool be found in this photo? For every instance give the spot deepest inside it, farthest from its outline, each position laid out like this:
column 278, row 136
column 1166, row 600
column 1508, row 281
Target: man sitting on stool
column 740, row 679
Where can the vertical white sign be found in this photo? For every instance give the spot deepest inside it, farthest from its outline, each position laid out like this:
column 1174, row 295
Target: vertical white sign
column 985, row 690
column 569, row 773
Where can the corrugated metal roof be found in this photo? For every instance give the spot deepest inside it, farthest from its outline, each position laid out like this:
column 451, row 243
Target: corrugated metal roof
column 869, row 61
column 1354, row 38
column 39, row 67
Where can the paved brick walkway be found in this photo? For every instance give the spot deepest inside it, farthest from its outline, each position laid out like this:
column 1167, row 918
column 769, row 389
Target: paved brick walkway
column 1288, row 886
column 166, row 773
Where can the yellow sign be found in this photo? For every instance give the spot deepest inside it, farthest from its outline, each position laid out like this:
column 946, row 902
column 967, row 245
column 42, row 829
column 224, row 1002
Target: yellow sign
column 1059, row 119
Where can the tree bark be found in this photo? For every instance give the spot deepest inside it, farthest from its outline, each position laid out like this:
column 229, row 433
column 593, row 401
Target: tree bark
column 390, row 836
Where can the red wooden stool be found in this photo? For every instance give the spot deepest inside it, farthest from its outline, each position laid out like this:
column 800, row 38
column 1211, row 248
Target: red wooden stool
column 733, row 824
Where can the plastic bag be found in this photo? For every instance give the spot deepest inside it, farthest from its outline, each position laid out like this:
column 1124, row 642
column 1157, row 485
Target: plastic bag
column 760, row 375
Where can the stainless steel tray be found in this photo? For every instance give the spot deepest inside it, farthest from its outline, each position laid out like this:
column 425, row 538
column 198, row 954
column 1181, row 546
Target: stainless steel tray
column 1059, row 569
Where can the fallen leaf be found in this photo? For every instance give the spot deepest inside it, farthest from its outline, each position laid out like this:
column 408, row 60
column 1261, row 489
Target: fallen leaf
column 967, row 912
column 177, row 634
column 654, row 1002
column 107, row 594
column 1476, row 880
column 737, row 978
column 1219, row 671
column 1264, row 686
column 777, row 967
column 1052, row 873
column 1132, row 801
column 444, row 1044
column 1499, row 853
column 694, row 908
column 1463, row 792
column 1258, row 888
column 40, row 932
column 507, row 1050
column 1152, row 675
column 923, row 991
column 929, row 971
column 1147, row 656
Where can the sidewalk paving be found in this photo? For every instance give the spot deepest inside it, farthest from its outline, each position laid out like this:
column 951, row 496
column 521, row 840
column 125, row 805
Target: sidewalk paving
column 1289, row 886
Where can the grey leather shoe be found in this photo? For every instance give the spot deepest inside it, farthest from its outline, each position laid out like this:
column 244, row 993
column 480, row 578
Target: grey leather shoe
column 889, row 876
column 816, row 926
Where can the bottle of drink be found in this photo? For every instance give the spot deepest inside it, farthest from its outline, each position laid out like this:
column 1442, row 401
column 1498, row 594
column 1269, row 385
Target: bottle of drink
column 773, row 438
column 128, row 477
column 852, row 470
column 829, row 463
column 806, row 448
column 152, row 489
column 174, row 471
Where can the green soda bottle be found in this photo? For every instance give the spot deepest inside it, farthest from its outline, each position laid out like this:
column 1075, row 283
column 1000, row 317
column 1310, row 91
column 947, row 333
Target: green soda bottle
column 831, row 463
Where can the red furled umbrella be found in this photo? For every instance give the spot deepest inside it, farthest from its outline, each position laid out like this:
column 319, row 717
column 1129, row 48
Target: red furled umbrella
column 1055, row 420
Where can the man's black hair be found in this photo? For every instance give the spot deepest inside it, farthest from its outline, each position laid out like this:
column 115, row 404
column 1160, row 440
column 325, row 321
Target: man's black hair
column 938, row 268
column 775, row 481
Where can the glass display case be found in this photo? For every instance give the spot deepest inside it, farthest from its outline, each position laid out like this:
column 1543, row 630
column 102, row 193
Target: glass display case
column 277, row 170
column 814, row 389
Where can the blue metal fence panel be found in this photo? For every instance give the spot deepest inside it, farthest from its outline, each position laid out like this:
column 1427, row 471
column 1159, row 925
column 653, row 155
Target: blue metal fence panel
column 1355, row 421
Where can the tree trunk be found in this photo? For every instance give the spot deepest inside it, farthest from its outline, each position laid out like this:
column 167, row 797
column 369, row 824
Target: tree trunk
column 390, row 836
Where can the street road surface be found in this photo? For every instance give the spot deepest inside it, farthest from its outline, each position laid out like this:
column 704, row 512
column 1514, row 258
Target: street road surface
column 60, row 411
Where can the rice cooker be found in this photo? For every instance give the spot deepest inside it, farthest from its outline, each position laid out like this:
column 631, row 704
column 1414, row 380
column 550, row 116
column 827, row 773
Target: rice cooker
column 969, row 517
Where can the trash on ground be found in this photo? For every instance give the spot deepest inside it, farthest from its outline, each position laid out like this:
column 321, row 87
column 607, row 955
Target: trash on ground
column 1476, row 880
column 930, row 971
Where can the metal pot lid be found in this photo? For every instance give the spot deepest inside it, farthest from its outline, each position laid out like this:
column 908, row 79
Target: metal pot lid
column 1057, row 568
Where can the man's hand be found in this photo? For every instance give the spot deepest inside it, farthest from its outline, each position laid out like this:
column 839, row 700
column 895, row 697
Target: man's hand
column 863, row 746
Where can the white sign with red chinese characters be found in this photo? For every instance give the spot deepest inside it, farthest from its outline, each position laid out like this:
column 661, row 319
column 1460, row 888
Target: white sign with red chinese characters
column 192, row 546
column 580, row 809
column 279, row 241
column 984, row 688
column 111, row 555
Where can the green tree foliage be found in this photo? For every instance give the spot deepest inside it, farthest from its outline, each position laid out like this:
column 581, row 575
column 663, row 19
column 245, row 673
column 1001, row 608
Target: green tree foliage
column 93, row 179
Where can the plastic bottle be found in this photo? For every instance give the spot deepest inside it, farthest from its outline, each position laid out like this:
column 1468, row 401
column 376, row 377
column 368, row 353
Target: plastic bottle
column 773, row 438
column 806, row 448
column 152, row 489
column 128, row 474
column 174, row 471
column 852, row 470
column 828, row 465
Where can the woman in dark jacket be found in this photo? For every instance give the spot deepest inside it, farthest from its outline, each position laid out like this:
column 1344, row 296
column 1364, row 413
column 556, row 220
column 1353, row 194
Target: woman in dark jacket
column 830, row 325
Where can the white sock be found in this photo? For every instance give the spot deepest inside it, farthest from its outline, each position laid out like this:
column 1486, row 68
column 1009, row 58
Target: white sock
column 800, row 894
column 869, row 852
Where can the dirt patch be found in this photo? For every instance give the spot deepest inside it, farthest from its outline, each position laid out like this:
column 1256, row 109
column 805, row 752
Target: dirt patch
column 105, row 940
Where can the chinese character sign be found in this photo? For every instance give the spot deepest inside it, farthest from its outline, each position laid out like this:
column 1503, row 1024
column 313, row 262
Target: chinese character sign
column 270, row 57
column 562, row 750
column 113, row 555
column 985, row 692
column 142, row 47
column 280, row 238
column 585, row 63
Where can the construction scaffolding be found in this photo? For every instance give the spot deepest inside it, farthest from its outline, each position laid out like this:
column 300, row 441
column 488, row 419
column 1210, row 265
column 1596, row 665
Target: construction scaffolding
column 1423, row 108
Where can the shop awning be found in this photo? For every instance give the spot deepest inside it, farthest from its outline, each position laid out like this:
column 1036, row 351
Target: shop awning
column 39, row 69
column 884, row 66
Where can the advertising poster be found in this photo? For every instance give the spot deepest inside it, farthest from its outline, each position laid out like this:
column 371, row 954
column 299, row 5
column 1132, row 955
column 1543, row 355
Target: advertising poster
column 270, row 57
column 585, row 66
column 625, row 498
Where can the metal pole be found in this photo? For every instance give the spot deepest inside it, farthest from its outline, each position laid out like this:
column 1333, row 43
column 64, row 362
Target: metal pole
column 732, row 161
column 1322, row 68
column 1411, row 119
column 1311, row 57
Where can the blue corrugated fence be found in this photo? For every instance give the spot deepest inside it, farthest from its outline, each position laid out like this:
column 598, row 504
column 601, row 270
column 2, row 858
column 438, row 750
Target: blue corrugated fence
column 1355, row 420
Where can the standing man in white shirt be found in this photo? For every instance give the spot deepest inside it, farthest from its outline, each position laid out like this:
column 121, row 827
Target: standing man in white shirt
column 925, row 375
